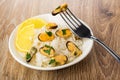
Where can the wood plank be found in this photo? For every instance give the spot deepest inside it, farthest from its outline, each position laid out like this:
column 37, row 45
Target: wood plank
column 103, row 16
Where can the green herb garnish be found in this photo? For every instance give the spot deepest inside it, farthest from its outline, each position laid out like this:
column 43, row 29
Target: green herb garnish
column 49, row 33
column 48, row 46
column 64, row 31
column 47, row 51
column 28, row 56
column 52, row 61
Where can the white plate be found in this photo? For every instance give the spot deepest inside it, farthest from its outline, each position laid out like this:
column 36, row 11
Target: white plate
column 87, row 45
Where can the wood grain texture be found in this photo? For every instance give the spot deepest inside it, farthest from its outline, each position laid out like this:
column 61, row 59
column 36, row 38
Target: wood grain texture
column 103, row 16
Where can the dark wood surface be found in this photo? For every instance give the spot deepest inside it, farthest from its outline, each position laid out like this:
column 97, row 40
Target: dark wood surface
column 103, row 16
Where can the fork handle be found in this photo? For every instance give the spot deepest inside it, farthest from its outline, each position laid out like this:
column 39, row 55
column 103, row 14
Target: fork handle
column 107, row 48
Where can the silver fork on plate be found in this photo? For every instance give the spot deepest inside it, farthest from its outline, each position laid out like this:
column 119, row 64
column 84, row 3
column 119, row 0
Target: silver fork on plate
column 80, row 29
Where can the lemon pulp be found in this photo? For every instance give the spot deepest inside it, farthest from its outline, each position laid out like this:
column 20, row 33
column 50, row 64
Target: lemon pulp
column 26, row 32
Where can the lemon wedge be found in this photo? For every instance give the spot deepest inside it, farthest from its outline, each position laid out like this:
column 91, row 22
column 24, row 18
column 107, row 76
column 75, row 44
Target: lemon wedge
column 24, row 38
column 25, row 33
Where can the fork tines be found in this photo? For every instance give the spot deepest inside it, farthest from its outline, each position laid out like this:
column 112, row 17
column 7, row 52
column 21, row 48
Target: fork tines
column 77, row 26
column 72, row 21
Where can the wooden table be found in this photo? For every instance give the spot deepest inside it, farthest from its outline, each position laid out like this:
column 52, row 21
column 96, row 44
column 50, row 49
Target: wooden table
column 103, row 16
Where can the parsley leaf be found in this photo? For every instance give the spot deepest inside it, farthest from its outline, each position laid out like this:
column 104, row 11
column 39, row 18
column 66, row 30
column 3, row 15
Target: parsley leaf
column 49, row 33
column 48, row 46
column 64, row 31
column 28, row 56
column 52, row 61
column 47, row 51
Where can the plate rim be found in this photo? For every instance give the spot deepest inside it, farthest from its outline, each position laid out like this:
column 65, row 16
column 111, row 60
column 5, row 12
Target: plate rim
column 46, row 68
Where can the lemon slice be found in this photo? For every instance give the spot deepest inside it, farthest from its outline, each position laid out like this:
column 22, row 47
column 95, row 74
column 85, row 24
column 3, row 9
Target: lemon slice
column 38, row 22
column 25, row 33
column 24, row 38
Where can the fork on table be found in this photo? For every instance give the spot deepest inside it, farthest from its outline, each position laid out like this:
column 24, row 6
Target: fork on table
column 80, row 29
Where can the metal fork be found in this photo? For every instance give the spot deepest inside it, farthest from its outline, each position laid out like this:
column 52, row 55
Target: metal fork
column 81, row 30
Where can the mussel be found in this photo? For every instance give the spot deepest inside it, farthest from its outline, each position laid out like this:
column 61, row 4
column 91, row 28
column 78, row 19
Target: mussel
column 47, row 50
column 59, row 59
column 51, row 26
column 59, row 9
column 46, row 36
column 64, row 33
column 73, row 48
column 30, row 54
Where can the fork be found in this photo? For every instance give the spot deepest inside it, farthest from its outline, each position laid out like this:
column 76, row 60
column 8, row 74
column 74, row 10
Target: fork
column 80, row 29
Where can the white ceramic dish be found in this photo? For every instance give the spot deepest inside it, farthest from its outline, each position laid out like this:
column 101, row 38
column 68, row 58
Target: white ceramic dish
column 87, row 45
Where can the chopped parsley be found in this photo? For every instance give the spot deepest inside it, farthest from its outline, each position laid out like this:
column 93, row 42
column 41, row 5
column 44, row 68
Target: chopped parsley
column 64, row 31
column 28, row 56
column 47, row 51
column 49, row 33
column 48, row 46
column 52, row 61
